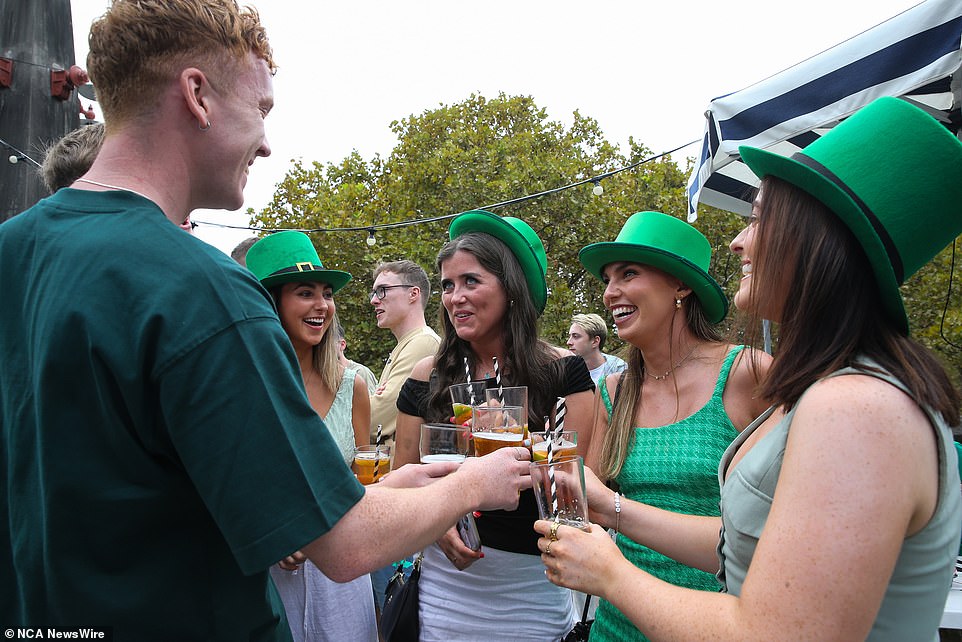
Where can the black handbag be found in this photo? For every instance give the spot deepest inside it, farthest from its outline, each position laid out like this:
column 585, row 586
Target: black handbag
column 581, row 629
column 399, row 617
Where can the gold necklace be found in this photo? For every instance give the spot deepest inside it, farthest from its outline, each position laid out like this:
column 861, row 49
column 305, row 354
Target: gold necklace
column 673, row 368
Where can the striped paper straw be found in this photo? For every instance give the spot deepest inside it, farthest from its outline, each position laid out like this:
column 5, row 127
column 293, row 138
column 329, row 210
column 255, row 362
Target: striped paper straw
column 467, row 377
column 559, row 422
column 559, row 417
column 377, row 439
column 497, row 380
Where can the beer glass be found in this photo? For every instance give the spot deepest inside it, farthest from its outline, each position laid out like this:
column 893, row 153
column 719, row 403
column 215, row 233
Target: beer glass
column 371, row 463
column 495, row 427
column 564, row 446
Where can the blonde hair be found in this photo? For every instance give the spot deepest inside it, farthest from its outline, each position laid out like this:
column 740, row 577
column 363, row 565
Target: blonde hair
column 139, row 45
column 325, row 357
column 594, row 325
column 70, row 157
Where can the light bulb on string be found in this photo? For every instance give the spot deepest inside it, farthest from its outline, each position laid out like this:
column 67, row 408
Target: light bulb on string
column 597, row 190
column 371, row 241
column 13, row 159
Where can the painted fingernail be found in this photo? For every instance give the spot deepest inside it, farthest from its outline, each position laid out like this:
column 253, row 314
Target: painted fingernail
column 482, row 556
column 477, row 513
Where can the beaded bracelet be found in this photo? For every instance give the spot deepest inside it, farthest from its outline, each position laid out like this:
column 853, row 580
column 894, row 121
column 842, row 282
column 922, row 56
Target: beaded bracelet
column 617, row 511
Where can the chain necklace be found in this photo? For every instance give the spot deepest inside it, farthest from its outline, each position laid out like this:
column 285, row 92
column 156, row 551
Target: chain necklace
column 673, row 368
column 108, row 186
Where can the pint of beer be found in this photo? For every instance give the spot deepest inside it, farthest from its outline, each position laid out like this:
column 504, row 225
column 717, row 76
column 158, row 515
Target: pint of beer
column 495, row 427
column 371, row 463
column 566, row 446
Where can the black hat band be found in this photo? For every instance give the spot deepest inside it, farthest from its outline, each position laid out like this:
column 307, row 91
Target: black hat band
column 894, row 258
column 304, row 266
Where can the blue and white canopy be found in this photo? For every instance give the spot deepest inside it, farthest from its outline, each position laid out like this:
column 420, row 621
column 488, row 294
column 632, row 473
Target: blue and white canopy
column 916, row 55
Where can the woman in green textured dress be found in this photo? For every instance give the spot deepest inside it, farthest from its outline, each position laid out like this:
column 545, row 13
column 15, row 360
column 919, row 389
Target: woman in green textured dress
column 685, row 395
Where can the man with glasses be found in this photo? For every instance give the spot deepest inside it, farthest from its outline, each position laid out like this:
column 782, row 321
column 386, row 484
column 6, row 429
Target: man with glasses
column 400, row 296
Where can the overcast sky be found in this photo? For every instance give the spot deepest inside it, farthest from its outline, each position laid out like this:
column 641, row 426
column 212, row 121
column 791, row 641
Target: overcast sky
column 641, row 69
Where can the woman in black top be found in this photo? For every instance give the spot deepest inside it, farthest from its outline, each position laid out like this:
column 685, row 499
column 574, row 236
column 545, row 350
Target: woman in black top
column 492, row 292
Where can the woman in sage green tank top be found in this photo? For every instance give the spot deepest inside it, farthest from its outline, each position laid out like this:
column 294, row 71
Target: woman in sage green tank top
column 840, row 508
column 318, row 609
column 685, row 395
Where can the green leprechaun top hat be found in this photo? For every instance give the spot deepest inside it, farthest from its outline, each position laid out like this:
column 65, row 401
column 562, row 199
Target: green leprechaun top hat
column 520, row 239
column 288, row 257
column 893, row 175
column 669, row 244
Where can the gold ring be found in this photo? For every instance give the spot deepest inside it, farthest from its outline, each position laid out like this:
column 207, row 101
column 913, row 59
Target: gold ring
column 547, row 549
column 553, row 533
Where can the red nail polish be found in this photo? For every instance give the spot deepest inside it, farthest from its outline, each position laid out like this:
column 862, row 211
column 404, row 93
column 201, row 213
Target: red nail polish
column 482, row 555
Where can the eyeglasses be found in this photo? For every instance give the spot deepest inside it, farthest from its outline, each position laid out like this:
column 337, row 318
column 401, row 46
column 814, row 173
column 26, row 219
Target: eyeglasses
column 381, row 291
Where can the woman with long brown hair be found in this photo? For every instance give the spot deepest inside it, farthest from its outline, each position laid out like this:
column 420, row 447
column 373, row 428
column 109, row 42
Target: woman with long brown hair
column 493, row 290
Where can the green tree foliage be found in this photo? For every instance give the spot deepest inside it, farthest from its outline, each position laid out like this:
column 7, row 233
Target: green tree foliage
column 483, row 152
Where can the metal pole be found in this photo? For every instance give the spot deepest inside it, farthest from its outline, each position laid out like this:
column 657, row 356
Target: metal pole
column 37, row 37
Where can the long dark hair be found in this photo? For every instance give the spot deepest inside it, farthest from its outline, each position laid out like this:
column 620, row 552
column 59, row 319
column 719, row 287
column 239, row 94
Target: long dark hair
column 527, row 360
column 819, row 277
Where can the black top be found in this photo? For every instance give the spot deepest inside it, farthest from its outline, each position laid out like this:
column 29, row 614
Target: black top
column 507, row 530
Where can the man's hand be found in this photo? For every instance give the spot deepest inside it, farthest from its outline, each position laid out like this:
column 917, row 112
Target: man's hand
column 417, row 475
column 498, row 477
column 293, row 561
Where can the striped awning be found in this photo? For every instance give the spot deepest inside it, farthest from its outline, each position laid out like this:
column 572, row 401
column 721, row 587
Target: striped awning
column 915, row 55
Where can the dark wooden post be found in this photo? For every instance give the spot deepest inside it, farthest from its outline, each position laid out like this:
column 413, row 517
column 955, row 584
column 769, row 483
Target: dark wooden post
column 37, row 36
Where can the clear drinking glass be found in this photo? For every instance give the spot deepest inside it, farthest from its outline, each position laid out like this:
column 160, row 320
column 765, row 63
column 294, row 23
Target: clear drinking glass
column 443, row 442
column 371, row 463
column 495, row 427
column 566, row 501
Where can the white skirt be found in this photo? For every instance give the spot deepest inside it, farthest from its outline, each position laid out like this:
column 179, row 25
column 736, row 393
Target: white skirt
column 321, row 610
column 502, row 596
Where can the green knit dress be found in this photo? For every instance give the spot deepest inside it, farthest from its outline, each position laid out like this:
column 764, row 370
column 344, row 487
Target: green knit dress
column 674, row 467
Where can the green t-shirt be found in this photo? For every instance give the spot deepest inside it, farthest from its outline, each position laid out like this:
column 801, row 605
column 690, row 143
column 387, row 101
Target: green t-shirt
column 158, row 450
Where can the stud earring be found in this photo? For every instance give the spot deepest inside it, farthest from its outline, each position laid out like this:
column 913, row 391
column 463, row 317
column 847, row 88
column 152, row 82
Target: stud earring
column 677, row 304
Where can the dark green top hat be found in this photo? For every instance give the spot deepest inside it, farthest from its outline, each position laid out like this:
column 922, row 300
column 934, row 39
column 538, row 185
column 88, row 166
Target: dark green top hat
column 669, row 244
column 893, row 174
column 520, row 239
column 288, row 257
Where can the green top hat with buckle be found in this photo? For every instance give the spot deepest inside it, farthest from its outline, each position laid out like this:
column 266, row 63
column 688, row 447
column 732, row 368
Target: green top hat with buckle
column 893, row 175
column 669, row 244
column 288, row 257
column 520, row 239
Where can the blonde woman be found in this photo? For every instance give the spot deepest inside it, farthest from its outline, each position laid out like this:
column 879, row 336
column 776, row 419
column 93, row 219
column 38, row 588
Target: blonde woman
column 287, row 265
column 684, row 397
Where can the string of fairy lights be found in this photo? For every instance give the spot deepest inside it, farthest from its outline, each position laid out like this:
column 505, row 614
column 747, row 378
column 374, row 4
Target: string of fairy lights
column 371, row 229
column 597, row 189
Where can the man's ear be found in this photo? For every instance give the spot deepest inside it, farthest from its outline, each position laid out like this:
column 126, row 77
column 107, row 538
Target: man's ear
column 195, row 90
